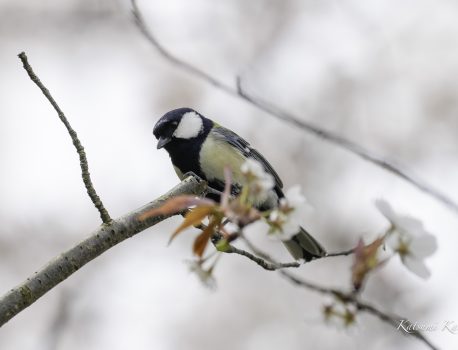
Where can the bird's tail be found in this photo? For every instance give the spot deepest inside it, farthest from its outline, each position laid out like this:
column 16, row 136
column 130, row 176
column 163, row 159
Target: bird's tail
column 304, row 246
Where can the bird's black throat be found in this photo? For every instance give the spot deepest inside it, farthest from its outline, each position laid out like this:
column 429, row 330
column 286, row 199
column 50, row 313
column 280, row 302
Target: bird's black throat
column 184, row 153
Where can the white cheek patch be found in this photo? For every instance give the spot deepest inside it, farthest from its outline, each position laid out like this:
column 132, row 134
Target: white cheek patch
column 190, row 126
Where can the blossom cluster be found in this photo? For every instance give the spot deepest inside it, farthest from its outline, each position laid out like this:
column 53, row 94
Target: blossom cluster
column 408, row 238
column 405, row 237
column 285, row 220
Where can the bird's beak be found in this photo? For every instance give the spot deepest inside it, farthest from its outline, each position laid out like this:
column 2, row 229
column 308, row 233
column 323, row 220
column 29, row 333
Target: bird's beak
column 163, row 140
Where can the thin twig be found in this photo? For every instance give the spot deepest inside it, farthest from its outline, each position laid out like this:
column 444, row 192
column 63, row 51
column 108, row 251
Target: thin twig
column 270, row 266
column 102, row 239
column 351, row 298
column 139, row 21
column 290, row 118
column 230, row 249
column 342, row 253
column 76, row 142
column 352, row 147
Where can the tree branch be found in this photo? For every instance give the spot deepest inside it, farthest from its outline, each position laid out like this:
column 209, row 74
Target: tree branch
column 76, row 142
column 392, row 320
column 351, row 298
column 102, row 239
column 290, row 118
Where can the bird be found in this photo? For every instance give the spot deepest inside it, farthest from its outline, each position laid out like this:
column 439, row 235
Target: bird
column 199, row 145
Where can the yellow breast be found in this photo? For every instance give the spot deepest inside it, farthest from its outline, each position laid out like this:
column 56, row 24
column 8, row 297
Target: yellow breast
column 215, row 154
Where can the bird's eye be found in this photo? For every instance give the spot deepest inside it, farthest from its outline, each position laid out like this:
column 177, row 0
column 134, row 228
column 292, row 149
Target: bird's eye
column 174, row 123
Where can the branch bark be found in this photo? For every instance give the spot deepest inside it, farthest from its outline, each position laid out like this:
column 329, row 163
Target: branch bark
column 102, row 239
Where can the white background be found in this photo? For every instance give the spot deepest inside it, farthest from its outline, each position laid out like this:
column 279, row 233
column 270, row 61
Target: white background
column 381, row 73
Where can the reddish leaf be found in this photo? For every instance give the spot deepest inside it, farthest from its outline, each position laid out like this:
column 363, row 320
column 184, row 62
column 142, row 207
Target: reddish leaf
column 193, row 218
column 175, row 205
column 365, row 261
column 201, row 241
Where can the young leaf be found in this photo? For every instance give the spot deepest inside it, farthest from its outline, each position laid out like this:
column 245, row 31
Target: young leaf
column 201, row 241
column 365, row 261
column 175, row 205
column 193, row 218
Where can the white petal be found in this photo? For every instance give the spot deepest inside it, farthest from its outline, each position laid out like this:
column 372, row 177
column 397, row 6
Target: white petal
column 267, row 182
column 295, row 197
column 230, row 227
column 423, row 246
column 274, row 215
column 393, row 240
column 416, row 266
column 385, row 208
column 260, row 183
column 411, row 225
column 288, row 226
column 408, row 227
column 248, row 165
column 289, row 229
column 254, row 167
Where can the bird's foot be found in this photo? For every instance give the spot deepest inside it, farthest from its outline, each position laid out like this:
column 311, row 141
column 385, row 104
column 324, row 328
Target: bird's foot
column 194, row 175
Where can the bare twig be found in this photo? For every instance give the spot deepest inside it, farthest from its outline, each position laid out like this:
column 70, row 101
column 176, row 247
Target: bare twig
column 351, row 298
column 261, row 257
column 290, row 118
column 102, row 239
column 175, row 60
column 76, row 142
column 354, row 148
column 346, row 297
column 342, row 253
column 271, row 266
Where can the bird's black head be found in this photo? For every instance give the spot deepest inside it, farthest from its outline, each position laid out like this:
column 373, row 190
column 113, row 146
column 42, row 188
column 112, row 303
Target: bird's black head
column 180, row 125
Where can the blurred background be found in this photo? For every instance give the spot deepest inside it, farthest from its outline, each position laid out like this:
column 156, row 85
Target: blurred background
column 380, row 73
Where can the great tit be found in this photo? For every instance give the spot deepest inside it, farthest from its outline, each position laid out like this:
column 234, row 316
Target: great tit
column 197, row 144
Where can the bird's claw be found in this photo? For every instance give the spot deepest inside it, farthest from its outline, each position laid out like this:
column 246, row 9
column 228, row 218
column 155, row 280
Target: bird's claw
column 194, row 175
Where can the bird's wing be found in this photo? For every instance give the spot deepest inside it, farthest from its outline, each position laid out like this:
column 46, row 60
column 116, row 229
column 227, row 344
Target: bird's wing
column 244, row 147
